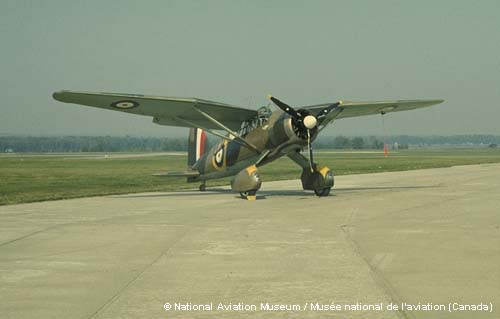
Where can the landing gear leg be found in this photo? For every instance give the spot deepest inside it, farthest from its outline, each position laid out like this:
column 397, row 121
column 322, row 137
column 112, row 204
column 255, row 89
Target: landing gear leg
column 203, row 187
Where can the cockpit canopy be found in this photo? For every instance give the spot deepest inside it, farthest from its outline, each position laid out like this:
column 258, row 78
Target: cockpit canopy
column 263, row 114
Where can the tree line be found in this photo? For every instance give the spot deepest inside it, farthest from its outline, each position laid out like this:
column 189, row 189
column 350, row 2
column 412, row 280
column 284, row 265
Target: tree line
column 161, row 144
column 344, row 142
column 91, row 144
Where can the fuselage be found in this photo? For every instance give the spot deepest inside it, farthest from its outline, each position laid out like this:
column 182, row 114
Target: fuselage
column 274, row 137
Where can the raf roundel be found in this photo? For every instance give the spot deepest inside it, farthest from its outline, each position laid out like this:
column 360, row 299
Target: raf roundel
column 127, row 104
column 219, row 157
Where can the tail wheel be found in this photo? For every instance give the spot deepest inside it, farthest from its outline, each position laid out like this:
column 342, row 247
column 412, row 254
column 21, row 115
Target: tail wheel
column 322, row 192
column 203, row 187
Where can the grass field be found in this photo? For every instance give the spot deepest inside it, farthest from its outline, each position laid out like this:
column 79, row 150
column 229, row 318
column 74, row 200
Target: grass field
column 31, row 177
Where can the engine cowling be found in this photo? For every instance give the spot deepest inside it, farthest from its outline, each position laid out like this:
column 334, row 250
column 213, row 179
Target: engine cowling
column 246, row 180
column 287, row 128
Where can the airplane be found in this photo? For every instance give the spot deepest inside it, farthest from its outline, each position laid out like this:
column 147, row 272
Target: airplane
column 252, row 137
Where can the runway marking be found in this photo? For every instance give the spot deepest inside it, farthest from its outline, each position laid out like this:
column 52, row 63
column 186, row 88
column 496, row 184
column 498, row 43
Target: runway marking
column 29, row 235
column 117, row 295
column 382, row 260
column 375, row 273
column 61, row 253
column 64, row 224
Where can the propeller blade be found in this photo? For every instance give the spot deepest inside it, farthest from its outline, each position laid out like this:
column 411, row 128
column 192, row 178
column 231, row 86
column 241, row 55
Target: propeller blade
column 311, row 163
column 285, row 107
column 324, row 112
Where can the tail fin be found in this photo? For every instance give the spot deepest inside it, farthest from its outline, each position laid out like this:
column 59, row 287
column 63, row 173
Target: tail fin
column 197, row 145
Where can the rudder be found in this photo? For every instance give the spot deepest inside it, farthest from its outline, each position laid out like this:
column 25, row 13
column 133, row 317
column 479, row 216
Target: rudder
column 197, row 145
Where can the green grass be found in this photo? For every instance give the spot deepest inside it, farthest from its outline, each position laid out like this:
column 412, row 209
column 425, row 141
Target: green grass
column 29, row 178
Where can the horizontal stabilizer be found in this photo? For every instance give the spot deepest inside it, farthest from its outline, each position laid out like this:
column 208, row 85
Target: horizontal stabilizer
column 178, row 174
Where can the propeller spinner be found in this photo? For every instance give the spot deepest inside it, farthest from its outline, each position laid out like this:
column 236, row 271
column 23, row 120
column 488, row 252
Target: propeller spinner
column 310, row 122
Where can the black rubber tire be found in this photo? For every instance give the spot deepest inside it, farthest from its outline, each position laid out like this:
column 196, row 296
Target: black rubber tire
column 322, row 192
column 203, row 187
column 245, row 195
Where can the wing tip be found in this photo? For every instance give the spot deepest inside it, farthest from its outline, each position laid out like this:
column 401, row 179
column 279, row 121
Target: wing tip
column 58, row 95
column 436, row 101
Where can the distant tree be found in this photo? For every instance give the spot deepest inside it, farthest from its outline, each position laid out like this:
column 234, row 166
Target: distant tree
column 374, row 143
column 403, row 146
column 341, row 142
column 155, row 144
column 358, row 143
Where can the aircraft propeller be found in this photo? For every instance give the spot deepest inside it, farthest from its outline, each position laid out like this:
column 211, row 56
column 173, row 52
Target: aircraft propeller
column 307, row 122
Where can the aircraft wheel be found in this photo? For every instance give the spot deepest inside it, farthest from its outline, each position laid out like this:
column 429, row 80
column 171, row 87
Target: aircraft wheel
column 202, row 187
column 249, row 195
column 322, row 192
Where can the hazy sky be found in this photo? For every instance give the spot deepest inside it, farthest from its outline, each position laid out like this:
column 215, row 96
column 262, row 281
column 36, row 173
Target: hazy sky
column 304, row 52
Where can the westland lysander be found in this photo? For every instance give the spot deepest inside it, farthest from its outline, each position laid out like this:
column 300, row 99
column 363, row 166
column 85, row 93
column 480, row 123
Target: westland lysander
column 250, row 138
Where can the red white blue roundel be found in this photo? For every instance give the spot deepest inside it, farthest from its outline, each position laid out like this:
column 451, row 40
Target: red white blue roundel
column 219, row 156
column 125, row 104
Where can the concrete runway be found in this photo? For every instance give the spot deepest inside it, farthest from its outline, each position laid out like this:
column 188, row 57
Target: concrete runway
column 418, row 236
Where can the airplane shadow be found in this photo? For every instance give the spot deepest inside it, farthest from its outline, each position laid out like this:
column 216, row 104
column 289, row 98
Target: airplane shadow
column 265, row 193
column 350, row 189
column 184, row 192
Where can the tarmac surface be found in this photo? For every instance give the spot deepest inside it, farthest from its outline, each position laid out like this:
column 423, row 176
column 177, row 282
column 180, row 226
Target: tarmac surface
column 427, row 236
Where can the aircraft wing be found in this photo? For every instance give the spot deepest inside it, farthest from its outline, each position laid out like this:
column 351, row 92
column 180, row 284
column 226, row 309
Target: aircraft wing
column 346, row 109
column 172, row 111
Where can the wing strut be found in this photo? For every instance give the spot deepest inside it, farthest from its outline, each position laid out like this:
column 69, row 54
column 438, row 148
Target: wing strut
column 237, row 137
column 208, row 130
